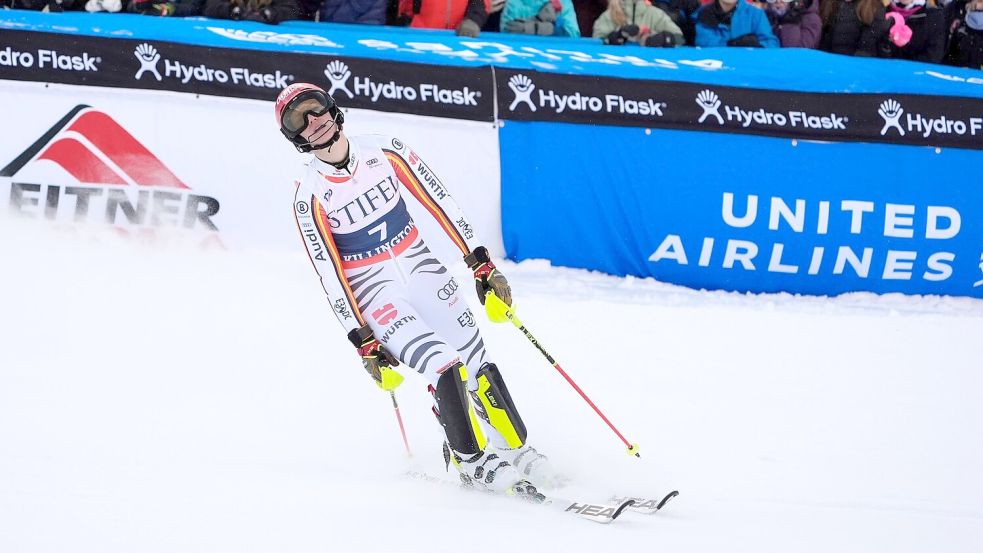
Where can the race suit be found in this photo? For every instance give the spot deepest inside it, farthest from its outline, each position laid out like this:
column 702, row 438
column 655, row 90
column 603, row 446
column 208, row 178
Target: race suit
column 375, row 266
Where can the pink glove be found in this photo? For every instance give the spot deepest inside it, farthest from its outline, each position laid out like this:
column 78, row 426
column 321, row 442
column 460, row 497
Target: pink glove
column 899, row 33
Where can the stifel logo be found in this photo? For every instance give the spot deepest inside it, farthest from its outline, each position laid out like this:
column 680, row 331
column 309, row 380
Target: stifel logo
column 88, row 168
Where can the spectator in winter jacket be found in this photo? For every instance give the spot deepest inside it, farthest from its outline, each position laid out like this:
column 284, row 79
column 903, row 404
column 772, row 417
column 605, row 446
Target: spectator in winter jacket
column 966, row 43
column 44, row 5
column 540, row 17
column 371, row 12
column 639, row 22
column 176, row 8
column 465, row 16
column 796, row 23
column 682, row 13
column 494, row 20
column 733, row 23
column 917, row 31
column 854, row 28
column 587, row 13
column 263, row 11
column 307, row 9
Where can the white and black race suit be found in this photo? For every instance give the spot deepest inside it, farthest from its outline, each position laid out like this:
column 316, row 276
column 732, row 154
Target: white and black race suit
column 374, row 264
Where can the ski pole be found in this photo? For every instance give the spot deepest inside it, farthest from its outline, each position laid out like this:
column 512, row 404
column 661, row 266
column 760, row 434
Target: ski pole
column 399, row 419
column 499, row 311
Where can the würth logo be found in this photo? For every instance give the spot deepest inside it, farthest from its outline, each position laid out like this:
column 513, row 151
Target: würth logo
column 88, row 168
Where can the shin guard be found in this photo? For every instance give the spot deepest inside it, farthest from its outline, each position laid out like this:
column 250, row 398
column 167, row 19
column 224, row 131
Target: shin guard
column 499, row 411
column 455, row 413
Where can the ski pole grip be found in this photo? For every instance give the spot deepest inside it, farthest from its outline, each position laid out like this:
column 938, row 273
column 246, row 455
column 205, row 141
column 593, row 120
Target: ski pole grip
column 497, row 310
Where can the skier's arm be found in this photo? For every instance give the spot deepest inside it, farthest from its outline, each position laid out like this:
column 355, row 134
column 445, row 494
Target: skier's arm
column 420, row 181
column 424, row 185
column 313, row 225
column 316, row 234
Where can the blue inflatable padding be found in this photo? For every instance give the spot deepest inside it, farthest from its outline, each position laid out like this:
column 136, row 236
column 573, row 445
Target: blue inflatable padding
column 779, row 69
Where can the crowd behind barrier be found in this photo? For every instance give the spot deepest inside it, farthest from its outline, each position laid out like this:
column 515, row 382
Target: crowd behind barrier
column 833, row 174
column 943, row 31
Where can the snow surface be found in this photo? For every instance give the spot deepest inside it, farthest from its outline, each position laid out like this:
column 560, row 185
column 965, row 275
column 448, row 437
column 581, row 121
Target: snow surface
column 181, row 402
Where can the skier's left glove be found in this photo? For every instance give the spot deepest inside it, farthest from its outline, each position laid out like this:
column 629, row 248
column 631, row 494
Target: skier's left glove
column 487, row 277
column 378, row 362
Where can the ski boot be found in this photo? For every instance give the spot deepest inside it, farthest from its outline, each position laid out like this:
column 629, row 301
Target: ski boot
column 533, row 465
column 488, row 471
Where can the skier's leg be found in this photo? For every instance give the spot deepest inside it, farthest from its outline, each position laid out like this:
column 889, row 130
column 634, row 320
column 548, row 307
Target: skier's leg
column 466, row 444
column 440, row 299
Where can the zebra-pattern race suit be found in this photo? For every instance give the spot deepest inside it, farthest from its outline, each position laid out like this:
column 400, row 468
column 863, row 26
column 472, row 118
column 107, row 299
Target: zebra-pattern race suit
column 376, row 267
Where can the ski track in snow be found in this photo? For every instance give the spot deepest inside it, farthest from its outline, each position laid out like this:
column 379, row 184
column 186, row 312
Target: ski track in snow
column 173, row 401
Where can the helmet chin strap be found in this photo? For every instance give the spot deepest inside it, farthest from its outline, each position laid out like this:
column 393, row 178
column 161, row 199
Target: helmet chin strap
column 305, row 147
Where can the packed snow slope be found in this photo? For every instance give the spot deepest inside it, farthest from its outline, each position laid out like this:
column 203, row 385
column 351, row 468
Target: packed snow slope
column 208, row 402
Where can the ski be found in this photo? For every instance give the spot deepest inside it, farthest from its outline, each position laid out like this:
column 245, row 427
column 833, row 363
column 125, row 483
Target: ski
column 646, row 506
column 601, row 513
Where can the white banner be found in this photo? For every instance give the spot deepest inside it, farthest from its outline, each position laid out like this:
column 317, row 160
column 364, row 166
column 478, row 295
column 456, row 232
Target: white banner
column 147, row 164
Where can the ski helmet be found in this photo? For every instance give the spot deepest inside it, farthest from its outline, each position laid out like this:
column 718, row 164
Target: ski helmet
column 295, row 103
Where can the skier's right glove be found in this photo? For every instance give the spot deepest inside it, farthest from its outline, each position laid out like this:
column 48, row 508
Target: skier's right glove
column 378, row 362
column 487, row 277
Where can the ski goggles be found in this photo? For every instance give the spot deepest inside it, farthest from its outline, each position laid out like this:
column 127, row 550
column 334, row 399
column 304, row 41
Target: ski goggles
column 293, row 121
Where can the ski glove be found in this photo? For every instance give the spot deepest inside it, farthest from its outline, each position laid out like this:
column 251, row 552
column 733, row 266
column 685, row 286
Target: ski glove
column 662, row 39
column 749, row 40
column 622, row 34
column 487, row 277
column 468, row 28
column 542, row 24
column 378, row 362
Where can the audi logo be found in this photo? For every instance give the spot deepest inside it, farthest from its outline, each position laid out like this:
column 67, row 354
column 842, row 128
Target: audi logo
column 448, row 290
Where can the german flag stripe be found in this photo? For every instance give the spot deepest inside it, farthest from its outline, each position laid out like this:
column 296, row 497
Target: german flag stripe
column 321, row 222
column 413, row 184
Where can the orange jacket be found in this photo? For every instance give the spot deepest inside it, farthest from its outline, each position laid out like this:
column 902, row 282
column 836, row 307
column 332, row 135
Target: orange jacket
column 443, row 14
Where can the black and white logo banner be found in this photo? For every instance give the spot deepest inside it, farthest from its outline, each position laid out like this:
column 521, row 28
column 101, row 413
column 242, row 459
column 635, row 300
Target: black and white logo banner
column 436, row 90
column 894, row 118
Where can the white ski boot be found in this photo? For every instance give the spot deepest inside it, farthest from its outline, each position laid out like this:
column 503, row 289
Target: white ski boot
column 489, row 471
column 533, row 465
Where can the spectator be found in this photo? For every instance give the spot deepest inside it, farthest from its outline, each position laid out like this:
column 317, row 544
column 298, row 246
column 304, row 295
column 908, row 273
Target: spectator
column 587, row 13
column 370, row 12
column 795, row 23
column 966, row 43
column 111, row 6
column 854, row 28
column 733, row 23
column 176, row 8
column 682, row 13
column 307, row 9
column 917, row 31
column 263, row 11
column 494, row 21
column 540, row 17
column 44, row 5
column 637, row 21
column 465, row 16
